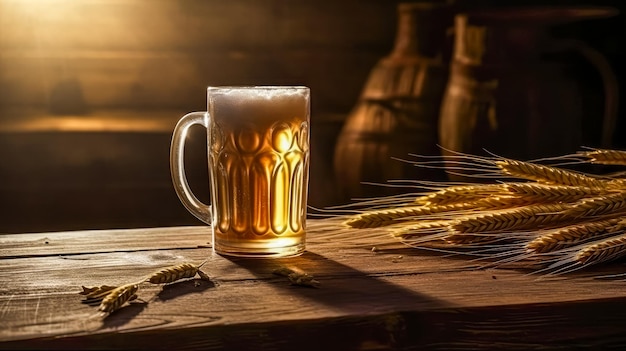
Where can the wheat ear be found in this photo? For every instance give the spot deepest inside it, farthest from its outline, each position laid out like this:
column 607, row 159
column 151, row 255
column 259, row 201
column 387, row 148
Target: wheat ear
column 96, row 293
column 606, row 157
column 500, row 202
column 595, row 206
column 381, row 218
column 458, row 238
column 174, row 273
column 117, row 297
column 603, row 251
column 547, row 174
column 419, row 229
column 556, row 239
column 461, row 193
column 537, row 192
column 531, row 216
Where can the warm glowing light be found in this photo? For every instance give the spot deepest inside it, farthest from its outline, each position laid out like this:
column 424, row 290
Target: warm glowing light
column 284, row 141
column 282, row 242
column 110, row 121
column 51, row 25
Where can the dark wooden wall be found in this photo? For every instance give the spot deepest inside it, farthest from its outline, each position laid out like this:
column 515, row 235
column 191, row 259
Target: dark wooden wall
column 162, row 54
column 79, row 79
column 90, row 91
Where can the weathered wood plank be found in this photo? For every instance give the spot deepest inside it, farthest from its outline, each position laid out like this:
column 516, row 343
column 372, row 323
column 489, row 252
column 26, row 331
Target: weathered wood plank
column 396, row 297
column 439, row 279
column 83, row 242
column 427, row 330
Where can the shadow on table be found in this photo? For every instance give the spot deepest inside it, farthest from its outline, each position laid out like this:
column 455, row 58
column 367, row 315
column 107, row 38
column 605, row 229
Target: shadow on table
column 123, row 316
column 341, row 287
column 184, row 287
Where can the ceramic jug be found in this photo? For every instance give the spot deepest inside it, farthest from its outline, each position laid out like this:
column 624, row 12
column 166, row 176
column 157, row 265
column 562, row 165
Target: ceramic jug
column 398, row 109
column 508, row 96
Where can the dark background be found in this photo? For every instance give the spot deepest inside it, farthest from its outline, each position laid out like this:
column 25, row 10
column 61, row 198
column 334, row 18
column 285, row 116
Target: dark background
column 90, row 91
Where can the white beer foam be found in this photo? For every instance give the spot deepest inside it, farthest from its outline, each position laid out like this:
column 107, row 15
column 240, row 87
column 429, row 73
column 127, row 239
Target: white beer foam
column 258, row 103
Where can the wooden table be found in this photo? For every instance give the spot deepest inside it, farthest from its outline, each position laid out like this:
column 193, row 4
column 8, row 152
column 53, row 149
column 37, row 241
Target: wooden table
column 368, row 299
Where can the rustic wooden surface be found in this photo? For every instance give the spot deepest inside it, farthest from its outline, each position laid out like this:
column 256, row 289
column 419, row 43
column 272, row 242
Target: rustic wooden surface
column 394, row 297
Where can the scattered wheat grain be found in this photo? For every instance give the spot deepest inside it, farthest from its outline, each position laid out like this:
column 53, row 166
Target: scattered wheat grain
column 96, row 293
column 303, row 279
column 174, row 273
column 283, row 271
column 117, row 297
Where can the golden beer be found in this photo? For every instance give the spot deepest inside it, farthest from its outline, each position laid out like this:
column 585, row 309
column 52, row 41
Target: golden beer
column 258, row 157
column 258, row 153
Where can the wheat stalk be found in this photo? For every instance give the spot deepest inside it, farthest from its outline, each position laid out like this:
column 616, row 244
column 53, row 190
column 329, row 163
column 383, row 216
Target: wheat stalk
column 500, row 202
column 297, row 277
column 117, row 297
column 557, row 213
column 174, row 273
column 381, row 218
column 537, row 192
column 559, row 238
column 111, row 298
column 457, row 238
column 548, row 174
column 595, row 206
column 603, row 251
column 420, row 228
column 96, row 291
column 461, row 193
column 512, row 219
column 606, row 157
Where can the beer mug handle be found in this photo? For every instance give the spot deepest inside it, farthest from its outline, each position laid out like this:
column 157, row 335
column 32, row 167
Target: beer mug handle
column 177, row 165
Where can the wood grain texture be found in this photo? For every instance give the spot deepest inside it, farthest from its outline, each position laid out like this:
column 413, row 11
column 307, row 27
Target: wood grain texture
column 393, row 298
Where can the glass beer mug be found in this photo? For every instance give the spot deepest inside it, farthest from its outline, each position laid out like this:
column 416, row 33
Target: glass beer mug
column 258, row 159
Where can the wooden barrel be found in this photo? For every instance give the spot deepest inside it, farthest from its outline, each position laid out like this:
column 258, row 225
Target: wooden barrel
column 397, row 112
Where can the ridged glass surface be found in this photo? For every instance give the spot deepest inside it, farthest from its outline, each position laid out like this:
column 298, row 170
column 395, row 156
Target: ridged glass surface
column 260, row 181
column 259, row 161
